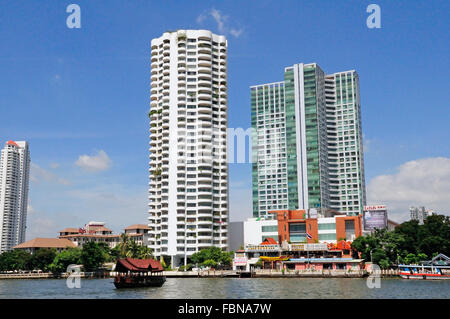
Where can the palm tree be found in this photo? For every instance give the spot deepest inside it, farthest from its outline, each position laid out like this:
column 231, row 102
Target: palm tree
column 145, row 252
column 124, row 245
column 132, row 249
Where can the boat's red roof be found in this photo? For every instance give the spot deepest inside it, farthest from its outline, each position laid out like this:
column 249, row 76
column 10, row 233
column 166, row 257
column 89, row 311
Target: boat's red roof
column 134, row 264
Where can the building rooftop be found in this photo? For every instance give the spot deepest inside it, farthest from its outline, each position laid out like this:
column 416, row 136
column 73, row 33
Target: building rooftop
column 90, row 235
column 12, row 143
column 137, row 226
column 46, row 243
column 70, row 230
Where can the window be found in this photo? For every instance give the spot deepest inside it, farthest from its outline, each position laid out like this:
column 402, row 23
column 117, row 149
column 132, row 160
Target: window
column 269, row 229
column 297, row 232
column 349, row 228
column 327, row 236
column 327, row 226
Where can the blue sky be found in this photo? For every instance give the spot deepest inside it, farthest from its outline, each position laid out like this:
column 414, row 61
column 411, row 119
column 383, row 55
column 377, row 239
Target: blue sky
column 85, row 92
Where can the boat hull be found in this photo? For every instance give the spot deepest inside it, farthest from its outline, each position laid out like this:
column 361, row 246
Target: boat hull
column 135, row 282
column 424, row 276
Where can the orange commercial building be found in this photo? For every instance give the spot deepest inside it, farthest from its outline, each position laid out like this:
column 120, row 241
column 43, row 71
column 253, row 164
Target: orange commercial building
column 297, row 226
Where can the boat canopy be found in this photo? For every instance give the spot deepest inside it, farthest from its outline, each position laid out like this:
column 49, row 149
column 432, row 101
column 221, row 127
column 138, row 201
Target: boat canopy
column 138, row 265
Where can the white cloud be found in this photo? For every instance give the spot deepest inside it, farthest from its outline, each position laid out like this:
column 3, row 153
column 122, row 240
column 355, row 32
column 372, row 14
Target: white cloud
column 54, row 165
column 219, row 19
column 40, row 225
column 94, row 163
column 236, row 33
column 423, row 182
column 222, row 22
column 39, row 174
column 30, row 209
column 366, row 143
column 201, row 18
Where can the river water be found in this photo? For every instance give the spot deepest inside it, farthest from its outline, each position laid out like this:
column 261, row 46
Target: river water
column 235, row 288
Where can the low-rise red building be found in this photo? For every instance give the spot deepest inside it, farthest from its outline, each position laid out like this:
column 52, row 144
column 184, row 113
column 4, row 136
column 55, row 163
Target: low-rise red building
column 329, row 226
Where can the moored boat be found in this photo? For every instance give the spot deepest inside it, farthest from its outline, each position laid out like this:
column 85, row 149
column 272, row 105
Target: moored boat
column 132, row 273
column 424, row 272
column 437, row 268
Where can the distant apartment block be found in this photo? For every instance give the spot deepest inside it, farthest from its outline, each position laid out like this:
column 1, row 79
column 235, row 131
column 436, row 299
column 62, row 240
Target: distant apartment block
column 188, row 190
column 307, row 143
column 97, row 232
column 14, row 183
column 420, row 213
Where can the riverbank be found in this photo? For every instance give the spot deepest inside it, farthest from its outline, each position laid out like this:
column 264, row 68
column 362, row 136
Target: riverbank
column 262, row 273
column 49, row 275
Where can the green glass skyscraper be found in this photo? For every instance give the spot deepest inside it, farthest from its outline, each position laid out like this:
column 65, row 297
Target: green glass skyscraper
column 307, row 142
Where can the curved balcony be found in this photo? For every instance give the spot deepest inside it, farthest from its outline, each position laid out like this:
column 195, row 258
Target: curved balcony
column 204, row 90
column 204, row 56
column 204, row 82
column 204, row 70
column 204, row 107
column 205, row 77
column 203, row 63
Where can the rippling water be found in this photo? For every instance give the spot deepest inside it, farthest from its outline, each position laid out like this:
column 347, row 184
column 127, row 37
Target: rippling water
column 182, row 288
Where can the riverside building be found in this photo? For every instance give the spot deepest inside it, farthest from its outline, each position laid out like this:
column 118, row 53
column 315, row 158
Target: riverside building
column 188, row 193
column 14, row 183
column 307, row 142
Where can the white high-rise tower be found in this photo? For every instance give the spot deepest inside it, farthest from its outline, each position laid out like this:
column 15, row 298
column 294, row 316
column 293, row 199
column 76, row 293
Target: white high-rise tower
column 14, row 179
column 188, row 193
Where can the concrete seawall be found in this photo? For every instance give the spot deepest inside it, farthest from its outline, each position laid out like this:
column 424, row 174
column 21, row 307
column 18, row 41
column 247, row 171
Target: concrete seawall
column 265, row 274
column 49, row 275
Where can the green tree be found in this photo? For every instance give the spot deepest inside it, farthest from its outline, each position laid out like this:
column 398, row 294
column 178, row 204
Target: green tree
column 209, row 263
column 410, row 258
column 16, row 259
column 92, row 256
column 132, row 249
column 222, row 259
column 106, row 251
column 43, row 258
column 259, row 264
column 65, row 258
column 144, row 252
column 421, row 257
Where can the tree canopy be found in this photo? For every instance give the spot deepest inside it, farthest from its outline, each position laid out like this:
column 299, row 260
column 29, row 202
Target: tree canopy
column 207, row 257
column 408, row 243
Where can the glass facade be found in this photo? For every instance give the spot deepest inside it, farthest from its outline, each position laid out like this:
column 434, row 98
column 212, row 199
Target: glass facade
column 291, row 139
column 269, row 170
column 328, row 134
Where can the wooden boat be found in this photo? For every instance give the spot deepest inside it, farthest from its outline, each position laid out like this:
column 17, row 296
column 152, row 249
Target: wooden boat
column 132, row 273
